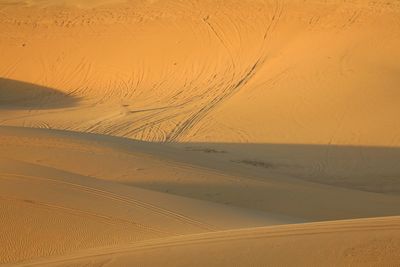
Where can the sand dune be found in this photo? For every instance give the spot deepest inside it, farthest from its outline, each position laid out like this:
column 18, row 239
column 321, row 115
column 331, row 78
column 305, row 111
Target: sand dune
column 320, row 72
column 367, row 242
column 94, row 191
column 199, row 133
column 87, row 211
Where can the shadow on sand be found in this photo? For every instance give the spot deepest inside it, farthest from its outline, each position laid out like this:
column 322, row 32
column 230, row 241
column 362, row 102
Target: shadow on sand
column 15, row 95
column 335, row 182
column 371, row 169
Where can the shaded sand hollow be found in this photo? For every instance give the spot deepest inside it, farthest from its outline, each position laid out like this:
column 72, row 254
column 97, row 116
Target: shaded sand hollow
column 199, row 133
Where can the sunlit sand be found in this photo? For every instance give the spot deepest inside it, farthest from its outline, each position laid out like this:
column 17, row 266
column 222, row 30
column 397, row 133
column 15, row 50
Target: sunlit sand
column 199, row 133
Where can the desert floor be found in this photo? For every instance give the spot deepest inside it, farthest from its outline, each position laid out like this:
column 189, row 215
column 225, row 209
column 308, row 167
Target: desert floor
column 199, row 133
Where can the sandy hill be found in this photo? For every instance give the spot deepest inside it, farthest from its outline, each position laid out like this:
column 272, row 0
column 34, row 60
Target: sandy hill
column 320, row 72
column 368, row 242
column 156, row 132
column 88, row 197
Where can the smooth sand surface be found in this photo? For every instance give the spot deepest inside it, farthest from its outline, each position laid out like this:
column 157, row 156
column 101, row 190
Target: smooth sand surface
column 199, row 133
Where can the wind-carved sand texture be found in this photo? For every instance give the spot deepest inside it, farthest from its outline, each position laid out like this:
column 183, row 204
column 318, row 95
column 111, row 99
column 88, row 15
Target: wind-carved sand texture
column 199, row 133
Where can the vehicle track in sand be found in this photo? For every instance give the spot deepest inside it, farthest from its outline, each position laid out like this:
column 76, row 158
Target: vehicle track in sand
column 115, row 197
column 190, row 100
column 262, row 233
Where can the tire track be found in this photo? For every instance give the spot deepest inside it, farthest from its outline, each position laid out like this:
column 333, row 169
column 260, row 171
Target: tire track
column 308, row 229
column 112, row 196
column 184, row 127
column 78, row 212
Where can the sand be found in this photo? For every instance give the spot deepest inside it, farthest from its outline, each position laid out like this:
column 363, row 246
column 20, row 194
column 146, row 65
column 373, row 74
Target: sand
column 367, row 242
column 153, row 133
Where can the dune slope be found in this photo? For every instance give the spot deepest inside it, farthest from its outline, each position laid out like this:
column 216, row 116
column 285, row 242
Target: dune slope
column 367, row 242
column 92, row 192
column 320, row 72
column 47, row 210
